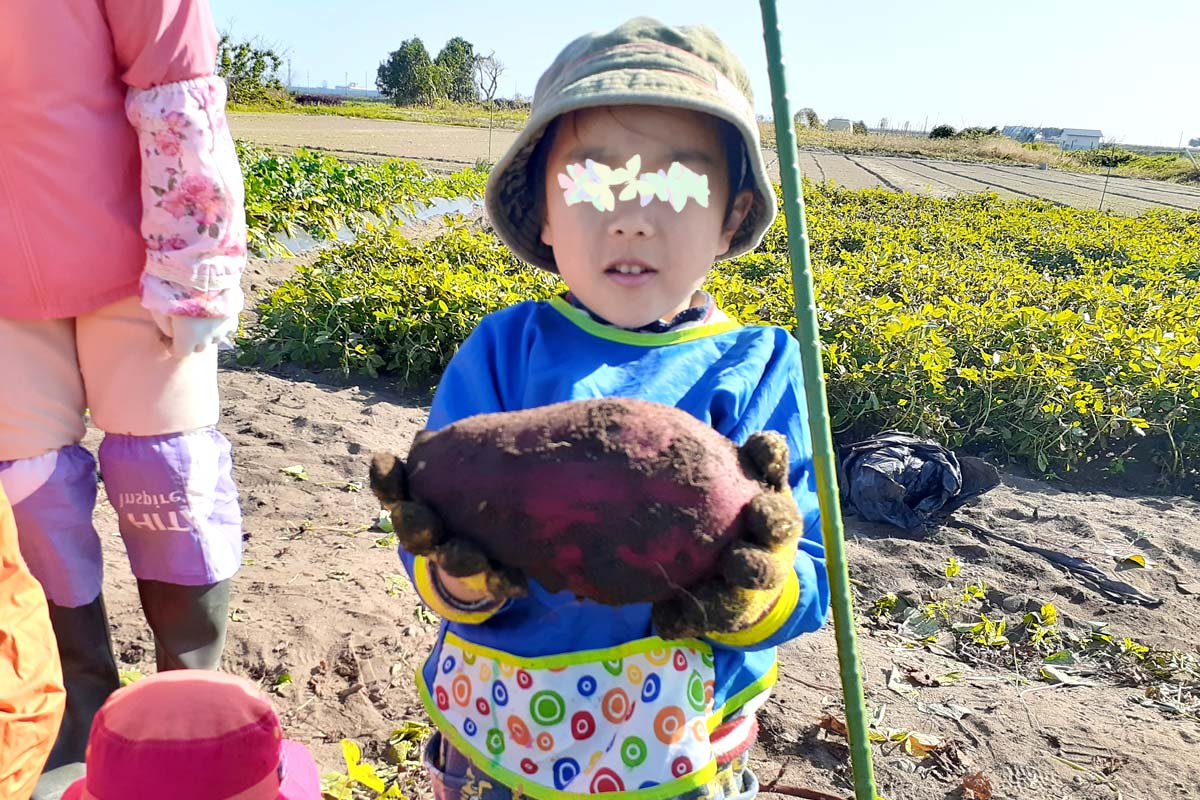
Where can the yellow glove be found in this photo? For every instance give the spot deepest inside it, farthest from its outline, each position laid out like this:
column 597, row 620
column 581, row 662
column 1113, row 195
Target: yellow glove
column 757, row 575
column 419, row 530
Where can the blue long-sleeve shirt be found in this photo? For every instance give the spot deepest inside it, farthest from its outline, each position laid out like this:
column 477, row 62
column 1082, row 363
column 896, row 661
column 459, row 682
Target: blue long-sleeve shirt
column 738, row 379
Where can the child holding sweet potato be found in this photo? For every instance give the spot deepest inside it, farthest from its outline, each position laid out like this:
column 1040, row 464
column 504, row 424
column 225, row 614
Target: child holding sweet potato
column 639, row 167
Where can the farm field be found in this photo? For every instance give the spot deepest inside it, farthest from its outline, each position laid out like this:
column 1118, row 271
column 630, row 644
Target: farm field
column 1045, row 338
column 949, row 178
column 448, row 148
column 322, row 611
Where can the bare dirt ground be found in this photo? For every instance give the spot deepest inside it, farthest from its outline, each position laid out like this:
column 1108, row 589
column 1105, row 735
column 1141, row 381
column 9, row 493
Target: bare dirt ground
column 451, row 148
column 321, row 600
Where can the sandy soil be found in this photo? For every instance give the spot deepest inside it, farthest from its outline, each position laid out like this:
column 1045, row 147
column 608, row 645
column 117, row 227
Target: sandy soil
column 450, row 148
column 322, row 600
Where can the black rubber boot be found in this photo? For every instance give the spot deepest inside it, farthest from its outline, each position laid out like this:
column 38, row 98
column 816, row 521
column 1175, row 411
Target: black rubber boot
column 89, row 675
column 188, row 623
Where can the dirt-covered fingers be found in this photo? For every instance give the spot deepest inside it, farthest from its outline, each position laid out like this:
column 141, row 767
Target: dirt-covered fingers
column 418, row 528
column 389, row 479
column 773, row 521
column 765, row 458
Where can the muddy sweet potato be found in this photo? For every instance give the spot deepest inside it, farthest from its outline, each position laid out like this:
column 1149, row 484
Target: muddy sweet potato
column 617, row 500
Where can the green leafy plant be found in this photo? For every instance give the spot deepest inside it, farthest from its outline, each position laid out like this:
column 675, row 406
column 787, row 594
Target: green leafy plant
column 386, row 779
column 341, row 786
column 1055, row 335
column 989, row 632
column 973, row 591
column 382, row 305
column 1104, row 156
column 1042, row 627
column 884, row 606
column 280, row 682
column 319, row 194
column 1052, row 335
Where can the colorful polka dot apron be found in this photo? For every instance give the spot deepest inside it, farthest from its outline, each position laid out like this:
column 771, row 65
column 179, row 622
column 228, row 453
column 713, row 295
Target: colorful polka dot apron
column 630, row 719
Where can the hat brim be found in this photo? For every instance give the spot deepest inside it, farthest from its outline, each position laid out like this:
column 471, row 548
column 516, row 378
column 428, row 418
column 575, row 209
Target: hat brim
column 75, row 790
column 301, row 780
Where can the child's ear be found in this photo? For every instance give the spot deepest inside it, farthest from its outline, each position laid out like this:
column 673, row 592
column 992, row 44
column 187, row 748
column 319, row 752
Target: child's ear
column 737, row 214
column 547, row 236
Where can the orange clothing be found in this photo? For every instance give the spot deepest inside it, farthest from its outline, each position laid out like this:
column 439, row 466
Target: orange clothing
column 32, row 699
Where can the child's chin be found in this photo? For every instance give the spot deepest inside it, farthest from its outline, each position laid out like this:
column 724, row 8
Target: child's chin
column 632, row 323
column 623, row 315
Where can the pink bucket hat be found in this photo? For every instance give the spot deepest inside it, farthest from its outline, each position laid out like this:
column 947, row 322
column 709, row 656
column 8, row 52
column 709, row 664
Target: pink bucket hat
column 193, row 735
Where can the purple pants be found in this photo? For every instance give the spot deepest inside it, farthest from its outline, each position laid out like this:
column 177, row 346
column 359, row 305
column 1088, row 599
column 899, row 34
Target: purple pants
column 176, row 504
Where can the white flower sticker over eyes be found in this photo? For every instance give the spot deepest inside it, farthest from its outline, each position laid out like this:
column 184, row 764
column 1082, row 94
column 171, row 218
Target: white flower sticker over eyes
column 592, row 182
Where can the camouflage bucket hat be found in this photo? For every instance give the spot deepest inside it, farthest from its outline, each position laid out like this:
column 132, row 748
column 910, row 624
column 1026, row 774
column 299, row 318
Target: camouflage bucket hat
column 643, row 62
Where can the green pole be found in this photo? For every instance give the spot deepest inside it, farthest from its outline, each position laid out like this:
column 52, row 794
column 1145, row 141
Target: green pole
column 818, row 413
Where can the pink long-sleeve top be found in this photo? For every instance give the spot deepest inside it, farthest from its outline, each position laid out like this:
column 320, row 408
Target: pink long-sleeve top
column 118, row 174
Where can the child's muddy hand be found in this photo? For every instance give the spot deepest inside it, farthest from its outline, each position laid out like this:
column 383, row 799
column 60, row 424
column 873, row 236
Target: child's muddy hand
column 754, row 571
column 465, row 570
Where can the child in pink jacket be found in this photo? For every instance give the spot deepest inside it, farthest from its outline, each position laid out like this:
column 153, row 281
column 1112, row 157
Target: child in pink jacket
column 122, row 240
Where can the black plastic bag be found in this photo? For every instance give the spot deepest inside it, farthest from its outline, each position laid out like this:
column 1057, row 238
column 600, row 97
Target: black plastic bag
column 907, row 481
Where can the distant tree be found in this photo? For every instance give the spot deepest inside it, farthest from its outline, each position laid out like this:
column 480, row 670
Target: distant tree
column 1194, row 142
column 408, row 77
column 808, row 117
column 860, row 128
column 455, row 68
column 488, row 70
column 942, row 132
column 250, row 71
column 977, row 132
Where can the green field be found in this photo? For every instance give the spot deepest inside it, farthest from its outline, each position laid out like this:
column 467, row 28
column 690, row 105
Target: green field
column 1049, row 335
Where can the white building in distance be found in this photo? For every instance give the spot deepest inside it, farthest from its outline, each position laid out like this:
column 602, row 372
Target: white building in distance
column 1066, row 138
column 1079, row 139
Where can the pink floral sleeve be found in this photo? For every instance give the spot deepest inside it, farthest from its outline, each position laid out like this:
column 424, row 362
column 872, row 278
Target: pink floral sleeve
column 193, row 217
column 184, row 301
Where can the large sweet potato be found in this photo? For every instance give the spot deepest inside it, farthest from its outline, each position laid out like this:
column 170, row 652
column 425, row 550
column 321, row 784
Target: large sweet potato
column 616, row 500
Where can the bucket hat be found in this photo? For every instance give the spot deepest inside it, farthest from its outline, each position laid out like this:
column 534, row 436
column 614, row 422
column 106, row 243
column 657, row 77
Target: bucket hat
column 642, row 62
column 193, row 735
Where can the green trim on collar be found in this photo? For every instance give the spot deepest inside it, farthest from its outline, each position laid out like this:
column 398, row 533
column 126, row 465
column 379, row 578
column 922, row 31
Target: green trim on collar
column 575, row 657
column 589, row 325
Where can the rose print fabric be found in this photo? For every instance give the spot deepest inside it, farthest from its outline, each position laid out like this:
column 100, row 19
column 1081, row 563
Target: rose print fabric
column 193, row 217
column 573, row 724
column 182, row 301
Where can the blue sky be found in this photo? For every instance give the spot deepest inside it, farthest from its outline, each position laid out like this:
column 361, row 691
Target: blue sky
column 1129, row 69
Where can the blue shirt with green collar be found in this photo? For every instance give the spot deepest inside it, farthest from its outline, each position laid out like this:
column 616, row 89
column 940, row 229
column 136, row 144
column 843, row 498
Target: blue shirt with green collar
column 738, row 379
